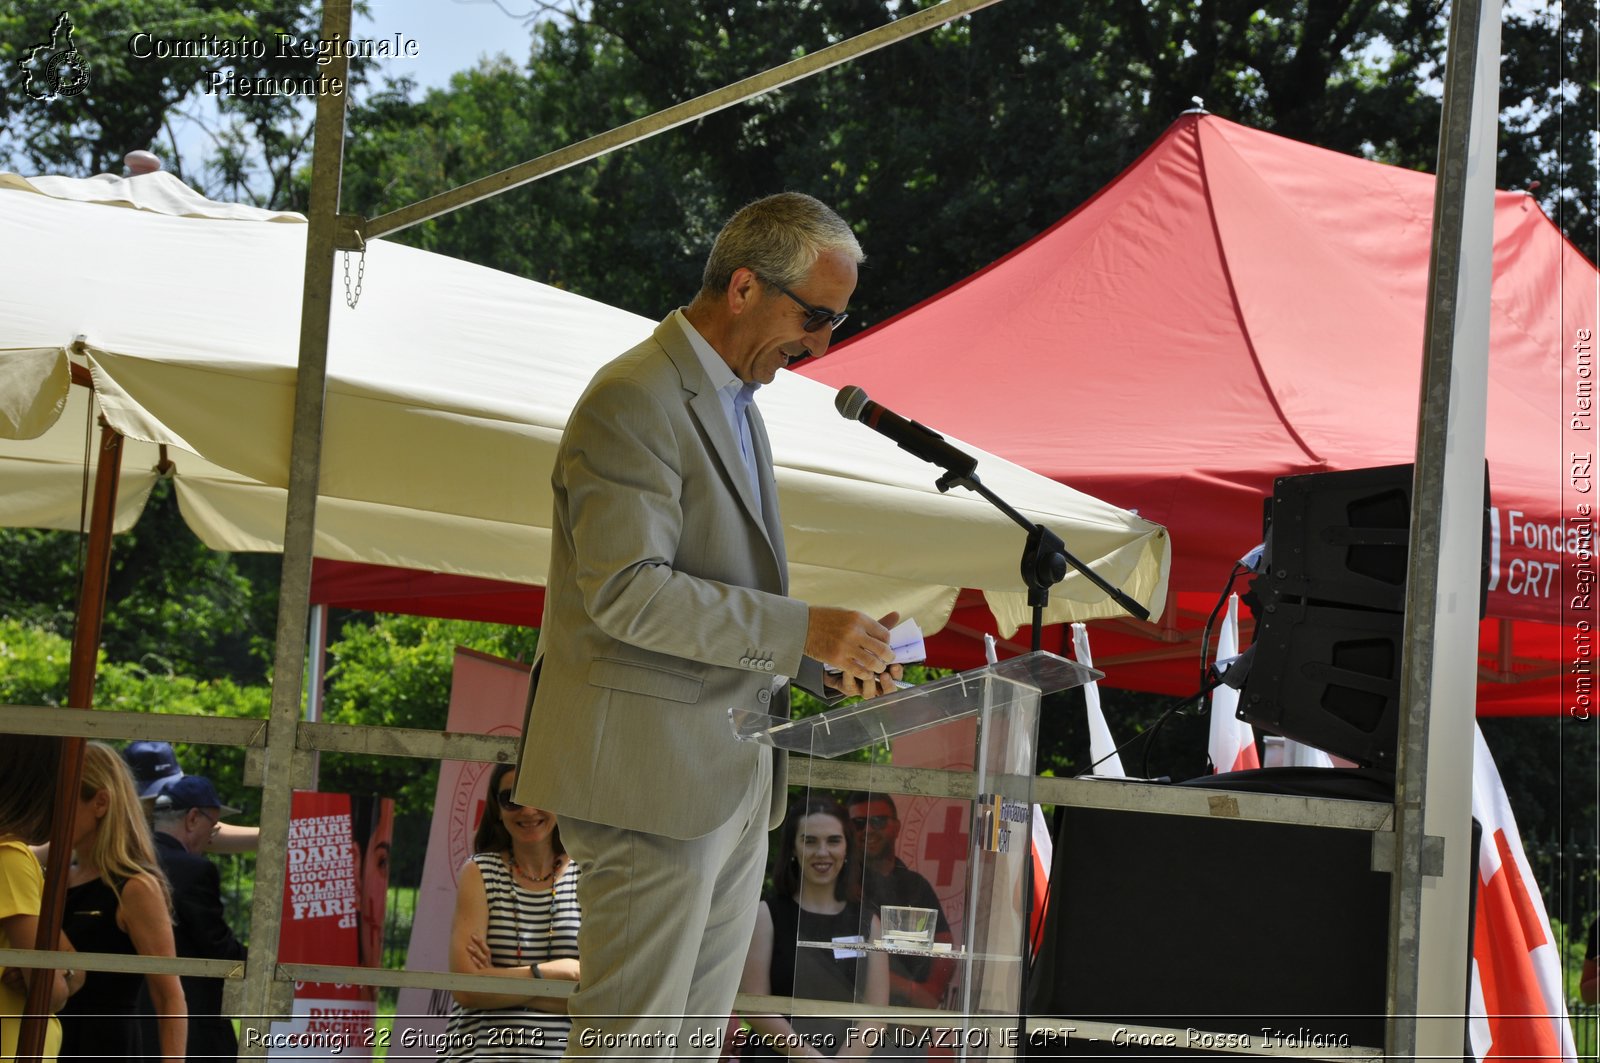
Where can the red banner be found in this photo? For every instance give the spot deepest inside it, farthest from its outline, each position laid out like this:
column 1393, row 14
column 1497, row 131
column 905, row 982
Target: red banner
column 333, row 911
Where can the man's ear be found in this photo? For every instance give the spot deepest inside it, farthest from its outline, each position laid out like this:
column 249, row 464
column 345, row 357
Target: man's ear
column 741, row 289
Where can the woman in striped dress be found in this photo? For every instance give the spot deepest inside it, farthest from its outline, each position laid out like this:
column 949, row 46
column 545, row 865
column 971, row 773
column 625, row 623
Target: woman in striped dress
column 516, row 917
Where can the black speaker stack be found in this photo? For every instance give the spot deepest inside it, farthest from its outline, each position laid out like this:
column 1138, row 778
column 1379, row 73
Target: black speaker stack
column 1330, row 611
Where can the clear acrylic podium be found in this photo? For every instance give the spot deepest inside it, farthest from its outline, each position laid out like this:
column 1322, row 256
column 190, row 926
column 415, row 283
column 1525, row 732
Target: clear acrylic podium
column 970, row 843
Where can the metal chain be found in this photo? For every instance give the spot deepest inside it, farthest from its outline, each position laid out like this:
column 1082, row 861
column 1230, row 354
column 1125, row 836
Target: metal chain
column 351, row 298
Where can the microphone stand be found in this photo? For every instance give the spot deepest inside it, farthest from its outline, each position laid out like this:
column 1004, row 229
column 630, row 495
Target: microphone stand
column 1044, row 564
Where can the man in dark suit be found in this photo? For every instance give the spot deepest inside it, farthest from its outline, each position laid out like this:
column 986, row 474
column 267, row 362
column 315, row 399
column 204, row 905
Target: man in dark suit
column 186, row 813
column 667, row 605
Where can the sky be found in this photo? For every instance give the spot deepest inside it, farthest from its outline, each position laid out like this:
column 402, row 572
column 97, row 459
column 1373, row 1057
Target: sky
column 451, row 35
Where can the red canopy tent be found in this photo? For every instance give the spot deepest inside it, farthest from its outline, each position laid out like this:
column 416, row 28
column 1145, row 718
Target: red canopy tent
column 1236, row 307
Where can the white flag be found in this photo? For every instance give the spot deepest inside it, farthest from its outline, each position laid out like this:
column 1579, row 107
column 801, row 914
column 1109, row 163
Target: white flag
column 1232, row 745
column 1102, row 747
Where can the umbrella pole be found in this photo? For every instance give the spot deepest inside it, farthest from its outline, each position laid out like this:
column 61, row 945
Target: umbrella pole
column 80, row 695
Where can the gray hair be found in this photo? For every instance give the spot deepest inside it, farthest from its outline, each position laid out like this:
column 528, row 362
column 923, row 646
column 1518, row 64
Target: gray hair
column 780, row 237
column 168, row 817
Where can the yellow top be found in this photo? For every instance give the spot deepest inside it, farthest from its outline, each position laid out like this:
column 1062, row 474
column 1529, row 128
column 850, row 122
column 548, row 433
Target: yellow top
column 21, row 889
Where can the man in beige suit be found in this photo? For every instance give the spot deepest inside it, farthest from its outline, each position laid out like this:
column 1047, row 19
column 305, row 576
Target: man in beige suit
column 667, row 605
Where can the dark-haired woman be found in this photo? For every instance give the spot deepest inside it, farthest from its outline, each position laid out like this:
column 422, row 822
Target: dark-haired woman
column 27, row 799
column 815, row 897
column 516, row 917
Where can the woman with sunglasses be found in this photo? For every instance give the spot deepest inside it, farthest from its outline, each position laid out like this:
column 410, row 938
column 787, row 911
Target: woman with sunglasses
column 516, row 917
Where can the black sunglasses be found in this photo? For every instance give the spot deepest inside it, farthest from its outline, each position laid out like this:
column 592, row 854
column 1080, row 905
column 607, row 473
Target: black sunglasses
column 875, row 822
column 816, row 316
column 503, row 799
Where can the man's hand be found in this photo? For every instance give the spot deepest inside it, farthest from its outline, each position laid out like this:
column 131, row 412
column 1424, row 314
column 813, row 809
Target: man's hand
column 882, row 683
column 855, row 644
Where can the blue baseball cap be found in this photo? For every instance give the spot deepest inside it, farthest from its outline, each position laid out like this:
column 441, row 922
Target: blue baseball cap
column 191, row 791
column 153, row 764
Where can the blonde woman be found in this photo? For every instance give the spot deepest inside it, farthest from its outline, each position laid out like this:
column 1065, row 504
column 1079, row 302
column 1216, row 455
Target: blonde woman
column 117, row 901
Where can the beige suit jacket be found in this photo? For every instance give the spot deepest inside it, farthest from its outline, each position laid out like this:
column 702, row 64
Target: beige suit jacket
column 666, row 606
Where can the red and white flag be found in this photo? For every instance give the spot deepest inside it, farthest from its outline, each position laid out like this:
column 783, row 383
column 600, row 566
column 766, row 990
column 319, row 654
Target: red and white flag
column 1044, row 854
column 1103, row 756
column 1518, row 1009
column 1299, row 755
column 1232, row 745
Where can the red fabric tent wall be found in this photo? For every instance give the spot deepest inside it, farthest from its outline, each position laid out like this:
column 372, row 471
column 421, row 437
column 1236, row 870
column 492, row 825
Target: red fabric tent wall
column 382, row 589
column 1236, row 307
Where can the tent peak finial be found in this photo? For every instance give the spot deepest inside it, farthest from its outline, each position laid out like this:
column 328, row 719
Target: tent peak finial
column 141, row 162
column 1199, row 106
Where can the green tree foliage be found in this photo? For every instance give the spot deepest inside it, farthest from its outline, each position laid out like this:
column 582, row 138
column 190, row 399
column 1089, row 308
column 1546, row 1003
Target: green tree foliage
column 138, row 98
column 1549, row 98
column 395, row 671
column 35, row 673
column 947, row 150
column 172, row 604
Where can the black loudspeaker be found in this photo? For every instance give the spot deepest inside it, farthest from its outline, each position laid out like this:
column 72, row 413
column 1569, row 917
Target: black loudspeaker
column 1330, row 611
column 1341, row 537
column 1328, row 677
column 1211, row 928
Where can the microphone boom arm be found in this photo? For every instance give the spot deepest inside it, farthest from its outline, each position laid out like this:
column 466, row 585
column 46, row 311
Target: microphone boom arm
column 1045, row 557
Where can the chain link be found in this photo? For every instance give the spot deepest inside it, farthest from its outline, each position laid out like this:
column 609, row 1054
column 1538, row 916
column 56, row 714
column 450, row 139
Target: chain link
column 352, row 297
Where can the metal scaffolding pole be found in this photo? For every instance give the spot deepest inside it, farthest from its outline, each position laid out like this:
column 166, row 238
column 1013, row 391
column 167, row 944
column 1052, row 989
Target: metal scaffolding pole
column 265, row 996
column 1433, row 794
column 672, row 117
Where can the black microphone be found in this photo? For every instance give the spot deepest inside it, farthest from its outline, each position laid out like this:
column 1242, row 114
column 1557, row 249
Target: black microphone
column 916, row 439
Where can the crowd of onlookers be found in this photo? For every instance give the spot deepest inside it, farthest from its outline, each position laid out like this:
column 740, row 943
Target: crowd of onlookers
column 140, row 883
column 137, row 884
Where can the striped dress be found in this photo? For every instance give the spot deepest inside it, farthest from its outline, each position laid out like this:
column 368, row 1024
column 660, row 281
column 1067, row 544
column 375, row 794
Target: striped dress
column 546, row 922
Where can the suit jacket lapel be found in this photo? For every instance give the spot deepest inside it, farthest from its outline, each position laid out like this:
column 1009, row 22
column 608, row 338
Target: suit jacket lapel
column 706, row 406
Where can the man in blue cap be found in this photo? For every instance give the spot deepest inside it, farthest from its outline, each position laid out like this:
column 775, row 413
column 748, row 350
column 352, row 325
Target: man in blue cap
column 153, row 764
column 187, row 812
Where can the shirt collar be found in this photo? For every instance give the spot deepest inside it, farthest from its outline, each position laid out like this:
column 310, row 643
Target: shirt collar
column 717, row 371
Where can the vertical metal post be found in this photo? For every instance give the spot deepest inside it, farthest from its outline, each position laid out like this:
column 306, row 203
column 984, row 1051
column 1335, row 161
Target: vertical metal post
column 1433, row 796
column 80, row 695
column 264, row 996
column 316, row 670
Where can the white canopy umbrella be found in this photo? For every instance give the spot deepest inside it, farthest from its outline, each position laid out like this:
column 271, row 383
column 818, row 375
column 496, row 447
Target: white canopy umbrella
column 448, row 388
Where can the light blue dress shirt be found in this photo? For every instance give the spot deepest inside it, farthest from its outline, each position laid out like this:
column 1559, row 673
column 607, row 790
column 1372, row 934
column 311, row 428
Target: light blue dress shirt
column 734, row 393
